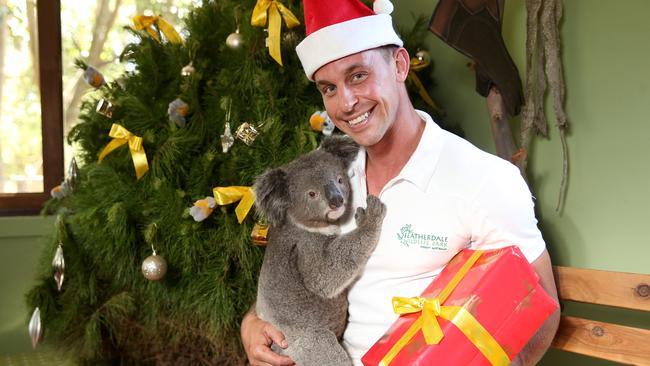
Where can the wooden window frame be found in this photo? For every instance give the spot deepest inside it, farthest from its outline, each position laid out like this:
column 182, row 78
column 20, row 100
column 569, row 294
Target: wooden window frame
column 48, row 13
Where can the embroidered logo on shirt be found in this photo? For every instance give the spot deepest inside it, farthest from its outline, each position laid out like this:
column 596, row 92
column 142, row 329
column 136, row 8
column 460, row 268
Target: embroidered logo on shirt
column 409, row 238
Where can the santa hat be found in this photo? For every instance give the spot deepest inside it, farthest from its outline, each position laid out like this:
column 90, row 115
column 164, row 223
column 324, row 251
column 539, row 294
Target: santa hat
column 339, row 28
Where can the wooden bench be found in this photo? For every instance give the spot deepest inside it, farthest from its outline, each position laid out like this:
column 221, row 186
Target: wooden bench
column 624, row 344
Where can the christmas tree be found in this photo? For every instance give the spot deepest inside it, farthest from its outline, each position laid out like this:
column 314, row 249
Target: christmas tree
column 163, row 132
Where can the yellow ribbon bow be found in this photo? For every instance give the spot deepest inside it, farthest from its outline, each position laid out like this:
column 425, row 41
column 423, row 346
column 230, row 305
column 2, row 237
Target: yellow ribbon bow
column 417, row 65
column 146, row 22
column 122, row 136
column 459, row 316
column 276, row 12
column 228, row 195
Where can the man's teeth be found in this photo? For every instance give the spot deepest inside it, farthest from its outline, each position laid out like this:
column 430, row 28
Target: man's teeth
column 359, row 119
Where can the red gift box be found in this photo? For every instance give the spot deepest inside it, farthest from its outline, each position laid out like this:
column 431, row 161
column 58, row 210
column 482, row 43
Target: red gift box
column 500, row 291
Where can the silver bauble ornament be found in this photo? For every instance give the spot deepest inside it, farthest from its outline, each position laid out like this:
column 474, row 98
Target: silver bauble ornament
column 235, row 40
column 154, row 267
column 226, row 139
column 35, row 329
column 58, row 266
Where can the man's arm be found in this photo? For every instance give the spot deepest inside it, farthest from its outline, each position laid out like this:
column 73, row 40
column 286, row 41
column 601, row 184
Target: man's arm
column 257, row 337
column 541, row 341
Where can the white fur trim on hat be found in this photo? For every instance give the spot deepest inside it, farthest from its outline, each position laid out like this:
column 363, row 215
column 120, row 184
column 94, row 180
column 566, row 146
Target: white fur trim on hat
column 344, row 39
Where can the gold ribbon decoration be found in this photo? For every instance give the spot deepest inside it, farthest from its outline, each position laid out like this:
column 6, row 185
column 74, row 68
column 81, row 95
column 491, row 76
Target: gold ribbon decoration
column 459, row 316
column 418, row 64
column 122, row 136
column 146, row 22
column 273, row 11
column 228, row 195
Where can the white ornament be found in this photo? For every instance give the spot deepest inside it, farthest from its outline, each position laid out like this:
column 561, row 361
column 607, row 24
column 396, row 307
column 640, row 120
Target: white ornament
column 35, row 329
column 58, row 264
column 382, row 7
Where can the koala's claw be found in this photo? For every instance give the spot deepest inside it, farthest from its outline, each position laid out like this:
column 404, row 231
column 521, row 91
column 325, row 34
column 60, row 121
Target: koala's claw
column 375, row 207
column 374, row 212
column 360, row 215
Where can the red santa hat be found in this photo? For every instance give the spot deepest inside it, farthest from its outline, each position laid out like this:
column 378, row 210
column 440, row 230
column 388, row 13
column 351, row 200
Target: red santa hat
column 339, row 28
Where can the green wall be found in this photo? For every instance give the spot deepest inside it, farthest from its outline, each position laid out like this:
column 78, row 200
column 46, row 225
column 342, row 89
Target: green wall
column 21, row 241
column 606, row 55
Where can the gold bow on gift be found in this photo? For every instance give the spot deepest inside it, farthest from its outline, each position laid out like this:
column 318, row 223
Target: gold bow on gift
column 146, row 22
column 459, row 316
column 122, row 136
column 418, row 64
column 228, row 195
column 276, row 12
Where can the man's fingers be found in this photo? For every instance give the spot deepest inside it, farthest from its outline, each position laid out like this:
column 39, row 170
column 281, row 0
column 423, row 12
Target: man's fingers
column 276, row 336
column 267, row 357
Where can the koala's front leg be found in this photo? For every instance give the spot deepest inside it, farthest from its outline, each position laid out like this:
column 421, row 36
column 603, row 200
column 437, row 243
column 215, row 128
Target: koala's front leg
column 332, row 269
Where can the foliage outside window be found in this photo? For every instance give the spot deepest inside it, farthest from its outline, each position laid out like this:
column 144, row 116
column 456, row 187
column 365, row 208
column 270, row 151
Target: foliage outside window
column 32, row 119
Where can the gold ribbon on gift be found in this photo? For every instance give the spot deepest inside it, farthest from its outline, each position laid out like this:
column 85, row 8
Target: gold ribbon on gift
column 122, row 136
column 146, row 22
column 228, row 195
column 273, row 11
column 417, row 65
column 459, row 316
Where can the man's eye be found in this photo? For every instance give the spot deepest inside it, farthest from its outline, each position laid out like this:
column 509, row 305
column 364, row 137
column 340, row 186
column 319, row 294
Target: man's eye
column 359, row 76
column 328, row 90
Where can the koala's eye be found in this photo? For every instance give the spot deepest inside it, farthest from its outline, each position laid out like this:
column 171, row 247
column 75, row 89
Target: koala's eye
column 312, row 194
column 340, row 179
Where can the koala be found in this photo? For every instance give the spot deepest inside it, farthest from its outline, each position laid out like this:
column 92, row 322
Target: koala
column 308, row 264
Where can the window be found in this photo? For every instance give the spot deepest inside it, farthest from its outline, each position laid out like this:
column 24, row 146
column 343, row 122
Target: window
column 30, row 165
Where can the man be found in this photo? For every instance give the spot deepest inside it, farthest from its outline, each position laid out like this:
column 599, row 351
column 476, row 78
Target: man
column 435, row 185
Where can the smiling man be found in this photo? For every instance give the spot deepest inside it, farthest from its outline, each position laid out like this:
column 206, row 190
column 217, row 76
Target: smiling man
column 442, row 194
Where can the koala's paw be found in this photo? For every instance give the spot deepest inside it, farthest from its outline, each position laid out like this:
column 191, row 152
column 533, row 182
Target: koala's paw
column 375, row 208
column 373, row 213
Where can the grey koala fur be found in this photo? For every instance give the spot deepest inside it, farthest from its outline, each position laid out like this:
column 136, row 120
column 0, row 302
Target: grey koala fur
column 308, row 265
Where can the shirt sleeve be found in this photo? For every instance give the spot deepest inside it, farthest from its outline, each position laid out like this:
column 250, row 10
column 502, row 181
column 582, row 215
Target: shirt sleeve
column 503, row 213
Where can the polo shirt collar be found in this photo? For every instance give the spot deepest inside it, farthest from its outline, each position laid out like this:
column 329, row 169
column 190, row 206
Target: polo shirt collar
column 420, row 167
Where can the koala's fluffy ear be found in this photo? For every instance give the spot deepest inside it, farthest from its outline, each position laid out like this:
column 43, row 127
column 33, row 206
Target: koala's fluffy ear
column 272, row 195
column 342, row 147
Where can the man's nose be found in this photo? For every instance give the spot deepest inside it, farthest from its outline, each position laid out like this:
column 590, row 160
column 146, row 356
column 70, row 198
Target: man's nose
column 347, row 99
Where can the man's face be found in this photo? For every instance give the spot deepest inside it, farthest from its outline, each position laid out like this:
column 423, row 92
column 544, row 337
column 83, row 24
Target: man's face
column 360, row 93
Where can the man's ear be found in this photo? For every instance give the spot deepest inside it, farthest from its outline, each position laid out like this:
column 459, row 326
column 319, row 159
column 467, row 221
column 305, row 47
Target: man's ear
column 342, row 147
column 402, row 63
column 272, row 195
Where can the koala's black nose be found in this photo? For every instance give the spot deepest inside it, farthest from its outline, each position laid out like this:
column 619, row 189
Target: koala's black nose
column 334, row 196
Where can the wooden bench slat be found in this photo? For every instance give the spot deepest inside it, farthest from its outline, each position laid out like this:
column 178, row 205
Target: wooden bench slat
column 625, row 290
column 604, row 340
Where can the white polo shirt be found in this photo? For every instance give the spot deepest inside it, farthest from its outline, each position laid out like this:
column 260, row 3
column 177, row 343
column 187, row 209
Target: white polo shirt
column 449, row 196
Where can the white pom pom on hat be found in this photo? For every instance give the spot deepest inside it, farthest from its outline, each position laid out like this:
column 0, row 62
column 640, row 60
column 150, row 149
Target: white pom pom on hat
column 383, row 7
column 339, row 28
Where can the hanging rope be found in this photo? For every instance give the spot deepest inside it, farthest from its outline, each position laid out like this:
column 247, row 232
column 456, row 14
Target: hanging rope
column 544, row 69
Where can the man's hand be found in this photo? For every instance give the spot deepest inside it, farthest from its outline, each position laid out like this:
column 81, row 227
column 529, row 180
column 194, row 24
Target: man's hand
column 257, row 337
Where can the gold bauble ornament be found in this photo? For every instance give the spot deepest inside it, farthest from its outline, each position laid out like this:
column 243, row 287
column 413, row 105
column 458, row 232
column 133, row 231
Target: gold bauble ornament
column 423, row 56
column 154, row 267
column 105, row 108
column 235, row 40
column 247, row 133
